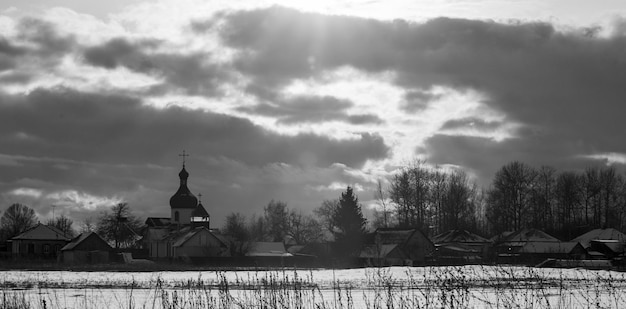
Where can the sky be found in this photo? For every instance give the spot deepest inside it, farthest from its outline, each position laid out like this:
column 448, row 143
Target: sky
column 296, row 100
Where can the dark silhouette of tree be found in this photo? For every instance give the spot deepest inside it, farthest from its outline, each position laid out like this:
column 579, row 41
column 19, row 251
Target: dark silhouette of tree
column 119, row 226
column 349, row 224
column 303, row 228
column 509, row 200
column 275, row 215
column 237, row 232
column 17, row 219
column 64, row 224
column 325, row 214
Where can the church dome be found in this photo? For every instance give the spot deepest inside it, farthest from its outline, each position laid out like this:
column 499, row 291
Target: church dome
column 183, row 198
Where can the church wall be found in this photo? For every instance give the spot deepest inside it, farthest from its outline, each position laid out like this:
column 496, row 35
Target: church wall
column 184, row 215
column 202, row 244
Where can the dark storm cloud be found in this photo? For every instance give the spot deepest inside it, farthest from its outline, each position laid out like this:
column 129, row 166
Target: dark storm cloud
column 193, row 73
column 565, row 85
column 310, row 109
column 111, row 128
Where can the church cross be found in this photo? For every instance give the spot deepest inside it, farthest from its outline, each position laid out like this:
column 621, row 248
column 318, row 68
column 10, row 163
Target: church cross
column 199, row 196
column 183, row 155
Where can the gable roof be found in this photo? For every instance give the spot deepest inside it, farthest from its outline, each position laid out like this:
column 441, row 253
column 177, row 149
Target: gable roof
column 527, row 235
column 604, row 234
column 462, row 236
column 179, row 238
column 82, row 238
column 158, row 222
column 42, row 232
column 396, row 235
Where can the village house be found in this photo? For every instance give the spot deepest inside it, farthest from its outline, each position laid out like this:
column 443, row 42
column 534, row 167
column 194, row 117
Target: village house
column 87, row 247
column 396, row 246
column 460, row 247
column 531, row 246
column 40, row 242
column 603, row 243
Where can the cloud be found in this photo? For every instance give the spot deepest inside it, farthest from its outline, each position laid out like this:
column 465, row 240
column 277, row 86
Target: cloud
column 562, row 85
column 193, row 73
column 310, row 109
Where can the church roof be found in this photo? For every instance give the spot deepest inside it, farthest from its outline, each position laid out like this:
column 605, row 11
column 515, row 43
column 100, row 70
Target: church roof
column 183, row 198
column 200, row 211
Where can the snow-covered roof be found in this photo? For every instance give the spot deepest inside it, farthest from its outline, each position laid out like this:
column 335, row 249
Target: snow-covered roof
column 462, row 236
column 605, row 234
column 527, row 235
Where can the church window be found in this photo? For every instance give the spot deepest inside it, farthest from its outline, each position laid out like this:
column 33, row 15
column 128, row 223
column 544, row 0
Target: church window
column 176, row 216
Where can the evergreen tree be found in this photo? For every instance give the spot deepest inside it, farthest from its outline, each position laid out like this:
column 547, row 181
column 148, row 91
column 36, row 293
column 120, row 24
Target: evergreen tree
column 349, row 225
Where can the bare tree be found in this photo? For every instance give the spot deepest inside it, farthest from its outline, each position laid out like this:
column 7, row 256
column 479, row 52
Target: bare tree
column 64, row 224
column 303, row 228
column 17, row 219
column 119, row 226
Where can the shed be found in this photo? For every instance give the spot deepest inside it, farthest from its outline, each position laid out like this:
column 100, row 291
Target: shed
column 86, row 248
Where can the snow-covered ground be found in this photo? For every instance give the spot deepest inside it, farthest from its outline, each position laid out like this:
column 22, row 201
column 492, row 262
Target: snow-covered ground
column 413, row 287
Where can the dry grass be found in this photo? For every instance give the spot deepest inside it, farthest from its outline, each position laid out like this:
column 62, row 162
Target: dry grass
column 428, row 287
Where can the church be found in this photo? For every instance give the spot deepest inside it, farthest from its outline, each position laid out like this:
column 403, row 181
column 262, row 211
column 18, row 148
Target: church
column 186, row 233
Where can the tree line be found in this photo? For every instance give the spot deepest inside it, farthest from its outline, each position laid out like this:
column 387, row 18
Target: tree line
column 434, row 200
column 562, row 203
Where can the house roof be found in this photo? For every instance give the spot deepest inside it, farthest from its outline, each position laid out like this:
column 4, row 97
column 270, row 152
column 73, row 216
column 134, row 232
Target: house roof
column 81, row 238
column 456, row 248
column 606, row 234
column 549, row 247
column 158, row 222
column 263, row 248
column 396, row 235
column 461, row 236
column 42, row 232
column 527, row 235
column 181, row 237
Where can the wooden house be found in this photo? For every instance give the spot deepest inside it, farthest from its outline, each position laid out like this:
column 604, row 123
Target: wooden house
column 460, row 247
column 86, row 248
column 40, row 242
column 414, row 246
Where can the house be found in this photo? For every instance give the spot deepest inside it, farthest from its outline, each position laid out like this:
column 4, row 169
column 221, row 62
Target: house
column 530, row 246
column 186, row 233
column 460, row 247
column 603, row 243
column 411, row 245
column 86, row 248
column 600, row 234
column 41, row 241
